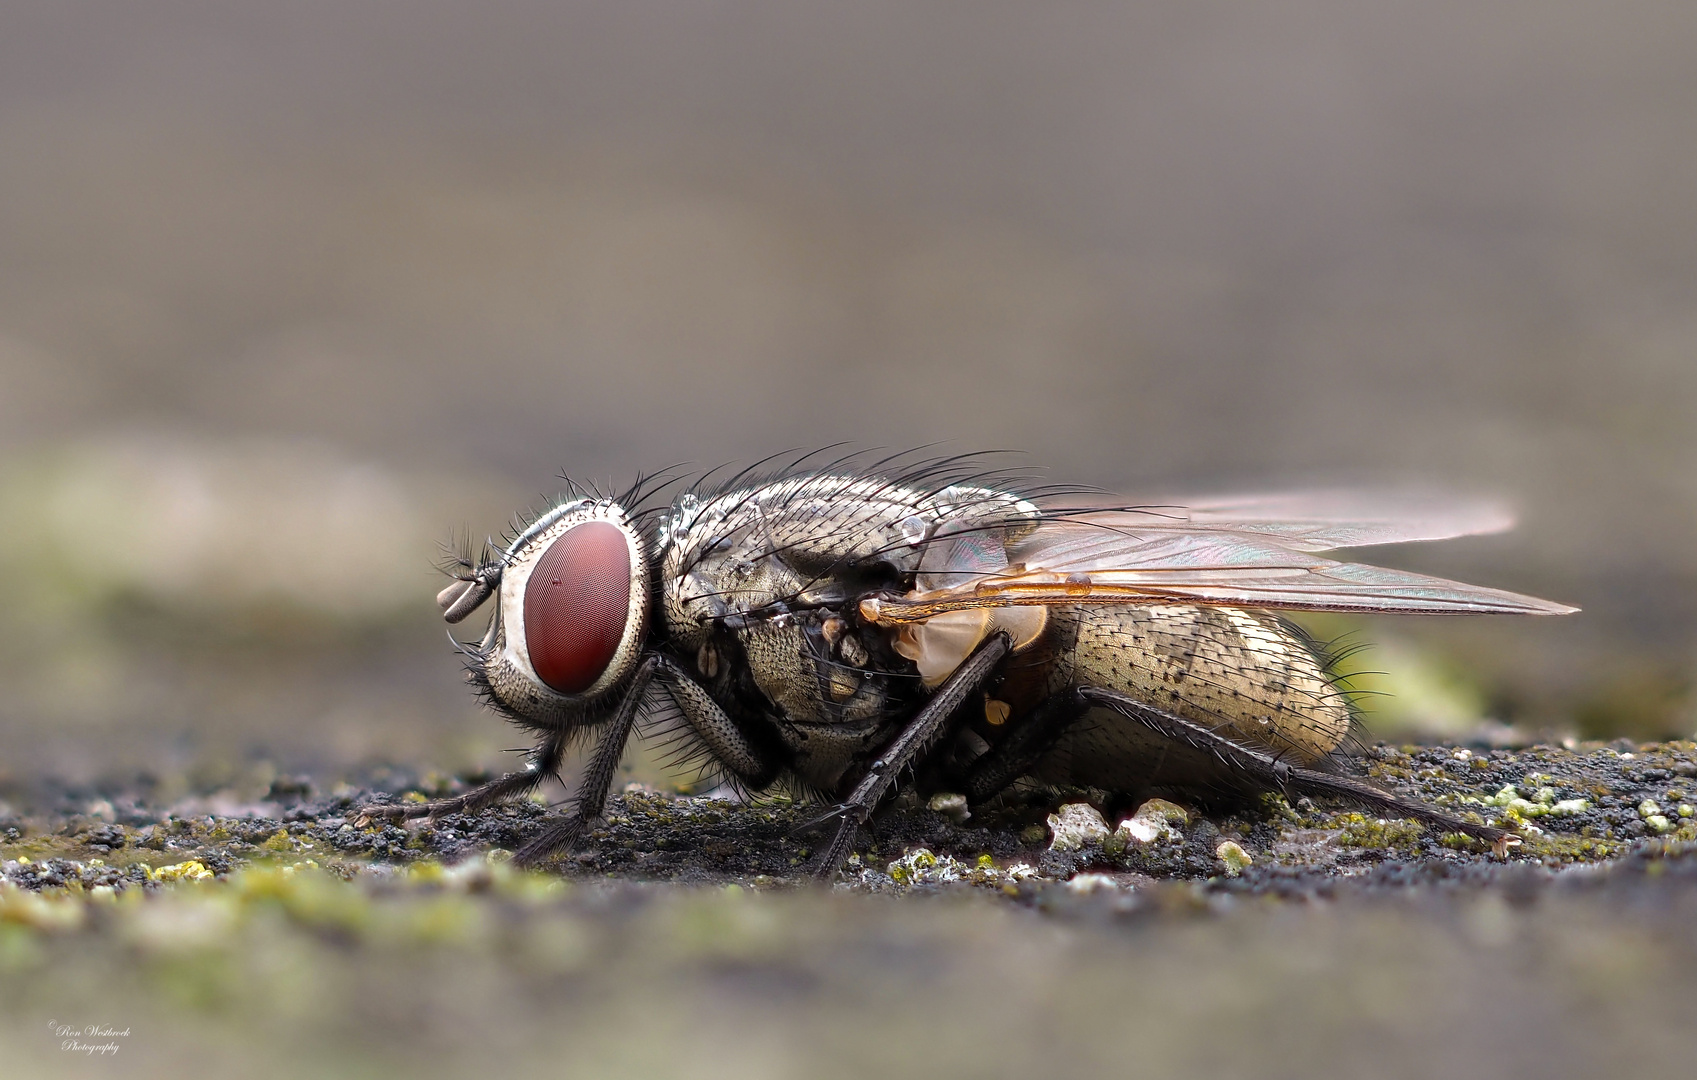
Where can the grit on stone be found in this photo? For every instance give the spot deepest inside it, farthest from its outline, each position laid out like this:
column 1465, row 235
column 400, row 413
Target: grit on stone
column 1057, row 932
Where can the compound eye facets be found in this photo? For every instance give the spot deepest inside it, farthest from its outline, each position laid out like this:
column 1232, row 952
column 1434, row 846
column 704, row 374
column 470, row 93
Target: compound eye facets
column 576, row 605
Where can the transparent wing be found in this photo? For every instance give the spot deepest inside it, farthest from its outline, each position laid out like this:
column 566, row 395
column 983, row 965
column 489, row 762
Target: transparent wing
column 1298, row 521
column 1228, row 552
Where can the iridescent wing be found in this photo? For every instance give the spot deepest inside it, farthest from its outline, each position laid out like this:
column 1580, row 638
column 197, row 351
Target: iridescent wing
column 1256, row 553
column 1298, row 521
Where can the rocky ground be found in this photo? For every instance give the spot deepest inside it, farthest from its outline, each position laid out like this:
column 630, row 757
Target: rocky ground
column 265, row 935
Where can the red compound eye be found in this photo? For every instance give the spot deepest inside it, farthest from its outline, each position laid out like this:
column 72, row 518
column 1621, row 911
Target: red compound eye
column 576, row 604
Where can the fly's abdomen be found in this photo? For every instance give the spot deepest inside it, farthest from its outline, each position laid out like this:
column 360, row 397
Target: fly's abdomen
column 1246, row 674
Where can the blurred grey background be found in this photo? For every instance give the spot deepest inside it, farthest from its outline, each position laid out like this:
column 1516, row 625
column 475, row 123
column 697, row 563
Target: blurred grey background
column 289, row 292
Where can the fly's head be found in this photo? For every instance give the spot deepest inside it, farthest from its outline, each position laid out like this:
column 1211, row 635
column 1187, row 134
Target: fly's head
column 571, row 612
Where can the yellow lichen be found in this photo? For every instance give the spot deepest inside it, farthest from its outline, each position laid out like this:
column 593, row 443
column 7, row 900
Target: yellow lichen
column 40, row 912
column 192, row 870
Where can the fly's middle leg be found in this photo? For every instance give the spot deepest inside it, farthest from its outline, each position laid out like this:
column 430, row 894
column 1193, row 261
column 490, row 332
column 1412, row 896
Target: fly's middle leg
column 920, row 734
column 1024, row 746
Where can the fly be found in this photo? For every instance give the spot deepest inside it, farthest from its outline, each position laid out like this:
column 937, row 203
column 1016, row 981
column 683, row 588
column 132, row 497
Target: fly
column 833, row 629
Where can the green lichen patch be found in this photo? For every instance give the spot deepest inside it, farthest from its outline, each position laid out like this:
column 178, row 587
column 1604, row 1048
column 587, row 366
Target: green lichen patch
column 1382, row 834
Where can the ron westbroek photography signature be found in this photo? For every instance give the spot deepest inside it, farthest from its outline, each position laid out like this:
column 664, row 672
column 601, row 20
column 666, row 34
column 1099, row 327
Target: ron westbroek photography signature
column 90, row 1039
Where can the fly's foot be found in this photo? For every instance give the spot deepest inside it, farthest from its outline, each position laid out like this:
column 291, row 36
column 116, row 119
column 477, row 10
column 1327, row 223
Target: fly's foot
column 835, row 813
column 387, row 813
column 556, row 839
column 848, row 817
column 837, row 854
column 510, row 786
column 394, row 813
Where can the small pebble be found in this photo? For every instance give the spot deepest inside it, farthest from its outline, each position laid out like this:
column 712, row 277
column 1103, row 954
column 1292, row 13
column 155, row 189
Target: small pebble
column 1232, row 854
column 1075, row 825
column 1155, row 820
column 951, row 805
column 1092, row 883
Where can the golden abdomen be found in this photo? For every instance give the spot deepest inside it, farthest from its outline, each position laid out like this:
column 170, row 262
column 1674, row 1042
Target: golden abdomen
column 1247, row 675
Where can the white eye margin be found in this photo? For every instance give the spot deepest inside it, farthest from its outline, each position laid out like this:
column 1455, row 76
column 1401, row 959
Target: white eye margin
column 512, row 648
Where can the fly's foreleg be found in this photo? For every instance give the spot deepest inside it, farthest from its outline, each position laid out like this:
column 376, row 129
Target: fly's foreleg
column 544, row 762
column 920, row 734
column 598, row 778
column 724, row 740
column 1264, row 770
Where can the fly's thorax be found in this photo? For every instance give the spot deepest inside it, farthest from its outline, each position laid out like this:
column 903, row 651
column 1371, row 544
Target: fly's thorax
column 819, row 670
column 780, row 567
column 1247, row 674
column 700, row 591
column 572, row 612
column 813, row 539
column 831, row 697
column 840, row 518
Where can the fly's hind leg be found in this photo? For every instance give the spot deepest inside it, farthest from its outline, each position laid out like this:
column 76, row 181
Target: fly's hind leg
column 1267, row 771
column 544, row 762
